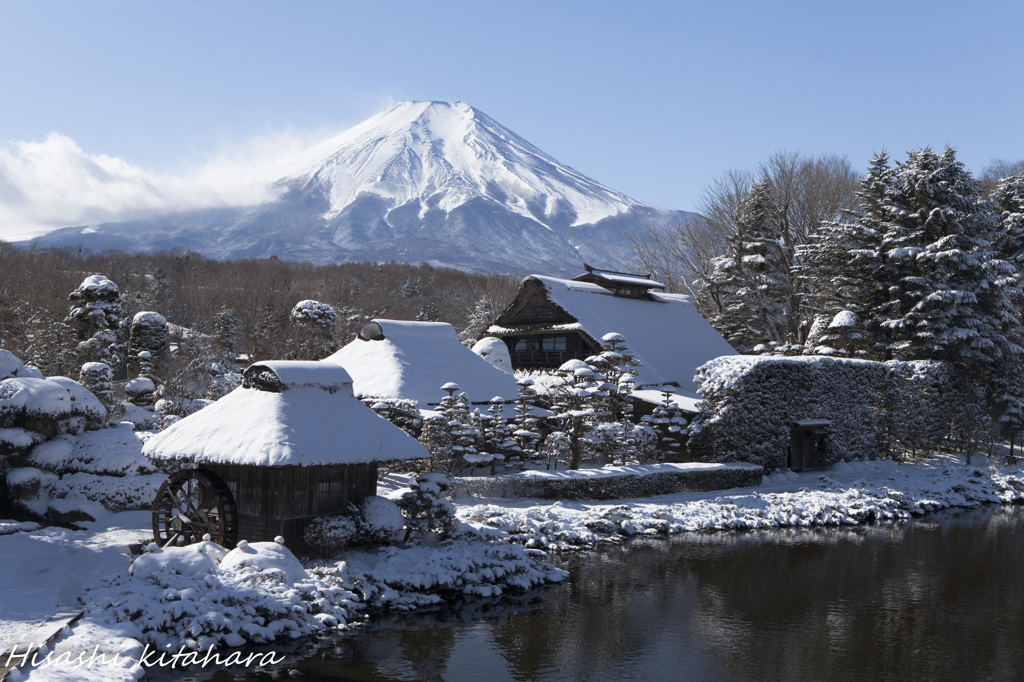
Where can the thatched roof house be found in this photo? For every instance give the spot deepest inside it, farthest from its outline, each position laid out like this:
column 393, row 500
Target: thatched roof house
column 412, row 360
column 554, row 320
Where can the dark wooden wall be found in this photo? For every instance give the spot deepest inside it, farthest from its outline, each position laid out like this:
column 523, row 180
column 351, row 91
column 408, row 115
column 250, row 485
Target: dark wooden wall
column 276, row 501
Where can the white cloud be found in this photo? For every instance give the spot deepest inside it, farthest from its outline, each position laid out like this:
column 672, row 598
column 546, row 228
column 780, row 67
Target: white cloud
column 54, row 183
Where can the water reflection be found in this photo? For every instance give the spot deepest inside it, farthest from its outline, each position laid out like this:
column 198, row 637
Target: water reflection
column 938, row 599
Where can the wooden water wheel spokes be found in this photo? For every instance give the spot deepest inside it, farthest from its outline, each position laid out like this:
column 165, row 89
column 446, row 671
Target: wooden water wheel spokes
column 192, row 503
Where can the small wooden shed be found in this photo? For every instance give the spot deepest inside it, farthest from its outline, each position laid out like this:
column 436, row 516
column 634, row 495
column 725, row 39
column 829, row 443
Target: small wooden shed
column 290, row 444
column 807, row 443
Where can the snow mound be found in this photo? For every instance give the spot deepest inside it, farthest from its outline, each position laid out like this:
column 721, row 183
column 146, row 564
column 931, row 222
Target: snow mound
column 264, row 557
column 196, row 597
column 200, row 558
column 56, row 397
column 494, row 351
column 11, row 366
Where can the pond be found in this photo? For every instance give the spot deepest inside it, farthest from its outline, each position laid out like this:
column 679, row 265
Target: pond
column 940, row 598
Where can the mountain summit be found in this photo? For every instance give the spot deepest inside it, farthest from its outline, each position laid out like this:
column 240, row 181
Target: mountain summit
column 433, row 182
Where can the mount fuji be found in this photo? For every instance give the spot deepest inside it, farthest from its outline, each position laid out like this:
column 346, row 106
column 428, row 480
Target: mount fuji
column 433, row 182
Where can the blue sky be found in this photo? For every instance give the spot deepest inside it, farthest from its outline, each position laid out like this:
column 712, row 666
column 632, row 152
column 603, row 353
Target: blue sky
column 654, row 99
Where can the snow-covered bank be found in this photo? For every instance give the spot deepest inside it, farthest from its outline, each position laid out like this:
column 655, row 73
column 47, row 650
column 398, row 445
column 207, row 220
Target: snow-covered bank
column 494, row 552
column 171, row 605
column 848, row 493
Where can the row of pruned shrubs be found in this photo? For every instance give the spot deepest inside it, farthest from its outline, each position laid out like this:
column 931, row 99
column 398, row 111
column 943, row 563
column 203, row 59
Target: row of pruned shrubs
column 875, row 409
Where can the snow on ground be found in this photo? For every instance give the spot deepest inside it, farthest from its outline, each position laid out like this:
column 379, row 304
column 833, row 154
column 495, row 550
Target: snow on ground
column 52, row 566
column 261, row 593
column 848, row 493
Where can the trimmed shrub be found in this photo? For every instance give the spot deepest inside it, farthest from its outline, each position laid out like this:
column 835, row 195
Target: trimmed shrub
column 751, row 403
column 426, row 507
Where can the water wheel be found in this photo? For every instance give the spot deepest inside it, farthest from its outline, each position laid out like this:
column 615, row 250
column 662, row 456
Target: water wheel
column 192, row 503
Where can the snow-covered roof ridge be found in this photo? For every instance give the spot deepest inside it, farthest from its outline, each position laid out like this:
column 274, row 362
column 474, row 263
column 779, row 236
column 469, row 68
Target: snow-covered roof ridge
column 412, row 360
column 393, row 329
column 628, row 278
column 290, row 374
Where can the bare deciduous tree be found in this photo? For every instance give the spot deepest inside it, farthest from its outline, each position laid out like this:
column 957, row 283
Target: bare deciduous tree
column 804, row 190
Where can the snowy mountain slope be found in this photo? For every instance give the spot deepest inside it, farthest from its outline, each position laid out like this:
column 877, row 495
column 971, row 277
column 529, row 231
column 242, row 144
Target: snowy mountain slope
column 420, row 182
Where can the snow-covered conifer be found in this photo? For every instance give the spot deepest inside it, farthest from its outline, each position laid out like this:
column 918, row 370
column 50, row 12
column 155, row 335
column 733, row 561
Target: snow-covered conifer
column 97, row 316
column 313, row 324
column 436, row 437
column 148, row 342
column 98, row 379
column 525, row 423
column 1008, row 204
column 227, row 329
column 668, row 421
column 481, row 317
column 750, row 284
column 498, row 436
column 466, row 432
column 427, row 507
column 840, row 264
column 573, row 406
column 954, row 298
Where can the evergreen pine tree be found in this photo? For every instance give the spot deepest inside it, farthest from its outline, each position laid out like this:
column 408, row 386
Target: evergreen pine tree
column 1008, row 204
column 841, row 265
column 498, row 436
column 667, row 419
column 572, row 405
column 954, row 296
column 525, row 424
column 313, row 326
column 227, row 329
column 750, row 285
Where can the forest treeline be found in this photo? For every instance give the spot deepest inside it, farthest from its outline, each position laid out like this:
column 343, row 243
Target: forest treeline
column 254, row 299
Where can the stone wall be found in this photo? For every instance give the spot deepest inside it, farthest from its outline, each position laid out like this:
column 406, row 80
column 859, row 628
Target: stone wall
column 613, row 485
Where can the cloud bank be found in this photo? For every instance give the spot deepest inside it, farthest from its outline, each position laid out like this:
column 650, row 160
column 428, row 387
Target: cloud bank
column 54, row 183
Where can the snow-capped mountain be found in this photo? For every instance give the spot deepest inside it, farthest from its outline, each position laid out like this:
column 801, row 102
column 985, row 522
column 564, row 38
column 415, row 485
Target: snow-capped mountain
column 420, row 182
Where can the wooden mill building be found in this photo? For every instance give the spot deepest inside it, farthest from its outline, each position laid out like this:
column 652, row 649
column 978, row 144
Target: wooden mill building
column 291, row 443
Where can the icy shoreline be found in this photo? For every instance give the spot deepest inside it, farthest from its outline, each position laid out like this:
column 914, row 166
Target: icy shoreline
column 847, row 494
column 499, row 547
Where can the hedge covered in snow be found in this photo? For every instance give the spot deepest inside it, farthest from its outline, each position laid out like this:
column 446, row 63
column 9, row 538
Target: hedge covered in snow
column 612, row 484
column 751, row 403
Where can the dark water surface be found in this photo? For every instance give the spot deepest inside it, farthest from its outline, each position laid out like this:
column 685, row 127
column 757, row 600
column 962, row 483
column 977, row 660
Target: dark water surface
column 936, row 599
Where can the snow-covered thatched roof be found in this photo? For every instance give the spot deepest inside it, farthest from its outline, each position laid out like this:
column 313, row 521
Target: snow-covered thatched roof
column 286, row 413
column 664, row 331
column 412, row 360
